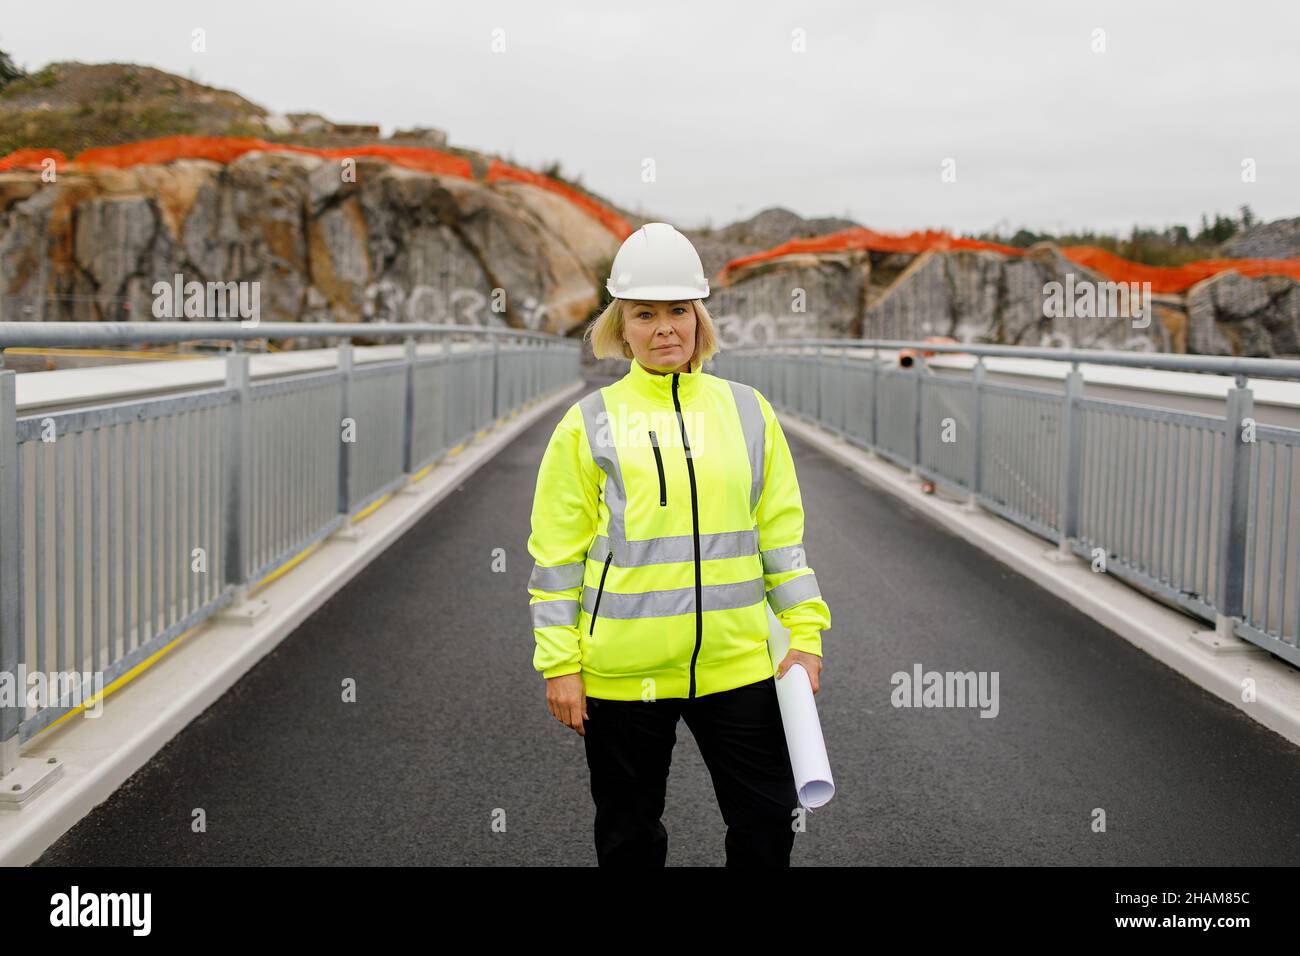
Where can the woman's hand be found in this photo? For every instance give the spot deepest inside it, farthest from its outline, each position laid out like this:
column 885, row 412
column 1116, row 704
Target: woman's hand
column 811, row 663
column 566, row 697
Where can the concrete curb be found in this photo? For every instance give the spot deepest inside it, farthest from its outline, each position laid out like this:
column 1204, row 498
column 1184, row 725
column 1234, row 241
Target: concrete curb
column 99, row 754
column 1219, row 664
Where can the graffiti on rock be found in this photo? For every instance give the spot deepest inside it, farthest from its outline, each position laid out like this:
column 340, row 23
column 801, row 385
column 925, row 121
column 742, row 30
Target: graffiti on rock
column 389, row 301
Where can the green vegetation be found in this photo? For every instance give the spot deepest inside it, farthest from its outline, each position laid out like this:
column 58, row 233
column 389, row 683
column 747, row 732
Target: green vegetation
column 30, row 82
column 72, row 130
column 556, row 172
column 72, row 107
column 8, row 71
column 1172, row 246
column 602, row 269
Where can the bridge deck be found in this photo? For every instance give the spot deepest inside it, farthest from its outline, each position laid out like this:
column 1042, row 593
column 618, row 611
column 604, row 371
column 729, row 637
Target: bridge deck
column 450, row 721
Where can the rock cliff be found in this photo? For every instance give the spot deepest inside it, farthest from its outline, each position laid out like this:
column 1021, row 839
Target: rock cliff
column 386, row 243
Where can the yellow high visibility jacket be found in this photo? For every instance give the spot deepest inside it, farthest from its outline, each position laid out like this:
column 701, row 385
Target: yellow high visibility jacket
column 666, row 515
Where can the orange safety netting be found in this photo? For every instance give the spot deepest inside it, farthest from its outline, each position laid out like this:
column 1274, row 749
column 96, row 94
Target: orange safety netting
column 611, row 220
column 1113, row 267
column 913, row 243
column 1175, row 278
column 226, row 149
column 32, row 159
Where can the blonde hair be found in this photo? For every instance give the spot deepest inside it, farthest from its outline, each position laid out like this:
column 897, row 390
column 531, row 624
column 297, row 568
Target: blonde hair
column 606, row 334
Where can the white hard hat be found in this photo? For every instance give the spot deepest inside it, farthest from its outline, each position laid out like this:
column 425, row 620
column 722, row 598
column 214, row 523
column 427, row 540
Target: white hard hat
column 657, row 263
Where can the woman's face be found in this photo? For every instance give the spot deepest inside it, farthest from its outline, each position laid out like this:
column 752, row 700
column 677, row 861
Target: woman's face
column 661, row 334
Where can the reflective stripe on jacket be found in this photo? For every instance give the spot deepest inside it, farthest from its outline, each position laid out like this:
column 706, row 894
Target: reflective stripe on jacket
column 666, row 514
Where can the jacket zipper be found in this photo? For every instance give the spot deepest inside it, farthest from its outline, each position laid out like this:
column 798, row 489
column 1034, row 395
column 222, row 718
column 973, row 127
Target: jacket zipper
column 659, row 463
column 595, row 608
column 695, row 524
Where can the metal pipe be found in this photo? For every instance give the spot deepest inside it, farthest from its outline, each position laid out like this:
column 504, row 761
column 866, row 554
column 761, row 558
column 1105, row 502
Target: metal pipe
column 100, row 334
column 1215, row 364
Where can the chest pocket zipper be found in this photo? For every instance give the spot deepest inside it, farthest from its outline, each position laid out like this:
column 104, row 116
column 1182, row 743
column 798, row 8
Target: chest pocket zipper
column 595, row 608
column 659, row 462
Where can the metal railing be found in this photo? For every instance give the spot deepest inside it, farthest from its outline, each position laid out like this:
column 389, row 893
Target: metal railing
column 125, row 524
column 1200, row 510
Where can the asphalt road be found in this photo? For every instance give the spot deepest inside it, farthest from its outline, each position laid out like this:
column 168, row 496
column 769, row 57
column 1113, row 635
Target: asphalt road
column 450, row 734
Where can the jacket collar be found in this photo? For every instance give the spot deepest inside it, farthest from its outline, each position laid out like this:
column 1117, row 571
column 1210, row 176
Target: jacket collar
column 659, row 388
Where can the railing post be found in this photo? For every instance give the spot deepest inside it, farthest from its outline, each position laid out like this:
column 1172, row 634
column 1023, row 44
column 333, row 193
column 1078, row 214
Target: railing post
column 819, row 364
column 408, row 406
column 344, row 504
column 534, row 363
column 482, row 408
column 810, row 375
column 10, row 555
column 496, row 376
column 238, row 468
column 21, row 778
column 844, row 392
column 1233, row 514
column 480, row 412
column 875, row 397
column 1071, row 458
column 540, row 356
column 918, row 364
column 449, row 395
column 977, row 431
column 516, row 372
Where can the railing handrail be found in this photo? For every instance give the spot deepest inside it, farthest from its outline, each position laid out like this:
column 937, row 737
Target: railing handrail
column 1214, row 364
column 74, row 334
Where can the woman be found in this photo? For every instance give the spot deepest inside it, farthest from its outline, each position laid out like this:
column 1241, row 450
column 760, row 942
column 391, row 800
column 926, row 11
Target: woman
column 666, row 518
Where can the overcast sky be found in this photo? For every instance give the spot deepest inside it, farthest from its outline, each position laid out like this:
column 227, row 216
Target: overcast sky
column 1043, row 131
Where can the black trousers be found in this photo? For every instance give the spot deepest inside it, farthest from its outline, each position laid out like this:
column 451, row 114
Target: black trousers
column 629, row 747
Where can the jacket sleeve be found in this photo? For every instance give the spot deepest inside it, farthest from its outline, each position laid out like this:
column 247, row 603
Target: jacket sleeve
column 790, row 583
column 564, row 516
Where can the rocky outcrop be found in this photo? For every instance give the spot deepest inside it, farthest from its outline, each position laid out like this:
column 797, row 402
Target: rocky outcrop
column 388, row 244
column 972, row 296
column 762, row 231
column 1279, row 239
column 1230, row 314
column 793, row 297
column 991, row 297
column 977, row 296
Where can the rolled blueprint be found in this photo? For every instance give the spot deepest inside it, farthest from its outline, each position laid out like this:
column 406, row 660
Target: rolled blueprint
column 803, row 729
